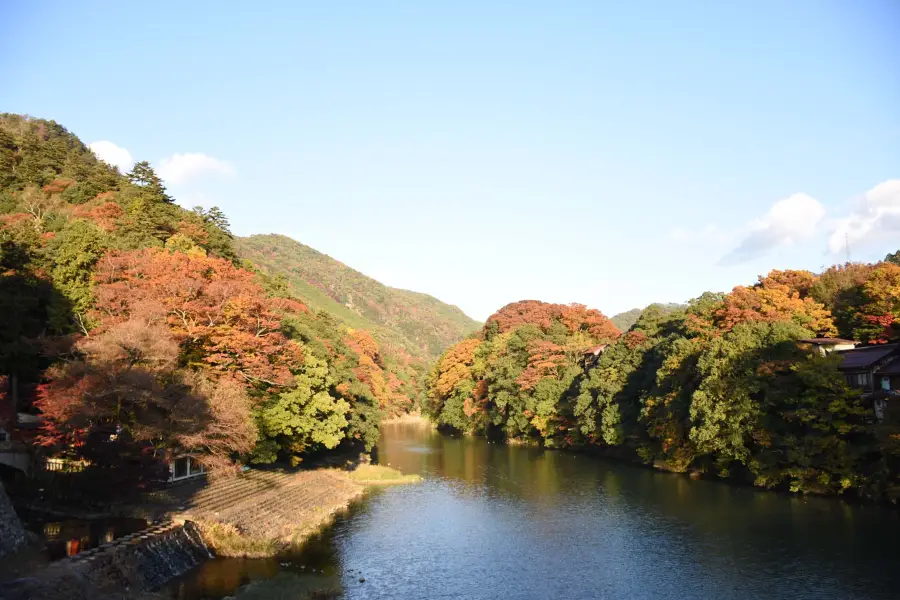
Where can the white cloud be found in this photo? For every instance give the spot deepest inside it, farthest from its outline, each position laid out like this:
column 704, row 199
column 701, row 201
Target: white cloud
column 790, row 220
column 875, row 217
column 181, row 168
column 112, row 154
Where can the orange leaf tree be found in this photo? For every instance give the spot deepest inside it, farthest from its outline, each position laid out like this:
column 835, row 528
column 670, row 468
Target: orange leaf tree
column 780, row 296
column 220, row 316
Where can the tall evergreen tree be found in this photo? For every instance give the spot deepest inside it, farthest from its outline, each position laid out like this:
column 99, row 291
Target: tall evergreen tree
column 144, row 176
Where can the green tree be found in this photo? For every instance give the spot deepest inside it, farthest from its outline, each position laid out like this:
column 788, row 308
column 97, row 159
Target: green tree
column 25, row 301
column 214, row 216
column 182, row 243
column 813, row 435
column 143, row 176
column 302, row 419
column 8, row 159
column 147, row 221
column 726, row 409
column 73, row 253
column 220, row 239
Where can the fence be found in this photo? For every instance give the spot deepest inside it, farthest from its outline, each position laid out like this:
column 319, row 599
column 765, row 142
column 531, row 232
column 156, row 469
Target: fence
column 64, row 465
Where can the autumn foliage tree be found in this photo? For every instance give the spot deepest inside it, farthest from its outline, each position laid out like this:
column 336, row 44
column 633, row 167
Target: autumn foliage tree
column 158, row 338
column 370, row 368
column 576, row 317
column 217, row 312
column 452, row 384
column 123, row 388
column 863, row 299
column 880, row 311
column 780, row 296
column 517, row 377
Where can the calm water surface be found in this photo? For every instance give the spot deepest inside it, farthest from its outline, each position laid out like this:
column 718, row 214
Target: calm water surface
column 503, row 522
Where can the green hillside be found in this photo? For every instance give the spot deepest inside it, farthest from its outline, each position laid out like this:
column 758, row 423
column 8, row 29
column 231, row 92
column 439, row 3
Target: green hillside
column 402, row 321
column 625, row 320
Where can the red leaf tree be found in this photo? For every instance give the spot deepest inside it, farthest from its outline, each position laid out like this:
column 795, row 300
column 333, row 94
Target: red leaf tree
column 217, row 313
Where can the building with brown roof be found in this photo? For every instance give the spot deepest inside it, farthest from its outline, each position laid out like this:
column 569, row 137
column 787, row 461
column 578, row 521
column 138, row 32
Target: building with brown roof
column 592, row 355
column 876, row 371
column 828, row 345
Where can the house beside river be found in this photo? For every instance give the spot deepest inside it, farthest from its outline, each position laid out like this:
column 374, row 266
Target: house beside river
column 876, row 371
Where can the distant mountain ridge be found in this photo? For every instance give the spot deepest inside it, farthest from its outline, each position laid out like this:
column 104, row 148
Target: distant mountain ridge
column 404, row 321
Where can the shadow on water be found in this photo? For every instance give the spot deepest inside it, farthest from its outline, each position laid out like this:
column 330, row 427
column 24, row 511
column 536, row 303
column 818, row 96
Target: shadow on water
column 498, row 521
column 315, row 567
column 63, row 537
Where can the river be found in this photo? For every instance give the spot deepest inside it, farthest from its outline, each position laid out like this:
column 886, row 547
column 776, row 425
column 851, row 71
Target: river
column 504, row 522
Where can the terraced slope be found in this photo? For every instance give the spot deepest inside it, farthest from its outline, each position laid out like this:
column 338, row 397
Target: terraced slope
column 273, row 505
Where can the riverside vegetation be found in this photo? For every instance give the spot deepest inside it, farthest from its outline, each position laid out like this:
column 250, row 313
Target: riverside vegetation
column 719, row 386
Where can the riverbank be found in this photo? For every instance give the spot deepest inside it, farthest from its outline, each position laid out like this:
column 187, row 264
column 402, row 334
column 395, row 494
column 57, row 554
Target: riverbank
column 261, row 514
column 413, row 418
column 256, row 514
column 381, row 475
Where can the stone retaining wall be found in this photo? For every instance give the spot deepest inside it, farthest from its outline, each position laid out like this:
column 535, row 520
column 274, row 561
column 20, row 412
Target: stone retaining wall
column 12, row 534
column 137, row 562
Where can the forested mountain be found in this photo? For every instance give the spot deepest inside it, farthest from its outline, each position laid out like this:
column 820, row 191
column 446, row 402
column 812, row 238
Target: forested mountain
column 402, row 321
column 723, row 386
column 625, row 320
column 136, row 332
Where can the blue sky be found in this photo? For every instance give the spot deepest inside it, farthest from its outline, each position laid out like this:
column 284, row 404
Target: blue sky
column 613, row 154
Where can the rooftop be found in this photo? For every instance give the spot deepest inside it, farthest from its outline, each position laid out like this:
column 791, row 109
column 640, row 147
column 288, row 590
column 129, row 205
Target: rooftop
column 861, row 358
column 596, row 349
column 892, row 368
column 824, row 341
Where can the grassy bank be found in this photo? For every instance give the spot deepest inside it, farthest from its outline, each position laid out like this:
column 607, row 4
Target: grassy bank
column 224, row 539
column 413, row 418
column 380, row 475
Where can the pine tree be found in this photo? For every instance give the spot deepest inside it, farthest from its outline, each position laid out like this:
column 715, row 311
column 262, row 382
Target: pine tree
column 143, row 175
